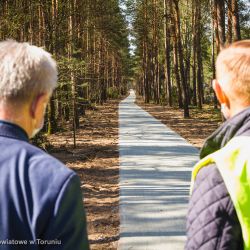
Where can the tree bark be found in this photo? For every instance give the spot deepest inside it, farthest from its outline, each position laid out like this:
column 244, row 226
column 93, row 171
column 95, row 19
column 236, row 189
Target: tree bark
column 236, row 22
column 194, row 36
column 181, row 58
column 229, row 22
column 219, row 6
column 199, row 55
column 168, row 84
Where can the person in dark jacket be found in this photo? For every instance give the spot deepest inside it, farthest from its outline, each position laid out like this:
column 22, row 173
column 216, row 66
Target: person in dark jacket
column 40, row 199
column 218, row 214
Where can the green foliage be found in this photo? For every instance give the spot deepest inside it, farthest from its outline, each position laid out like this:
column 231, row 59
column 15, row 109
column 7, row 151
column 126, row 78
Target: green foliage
column 113, row 93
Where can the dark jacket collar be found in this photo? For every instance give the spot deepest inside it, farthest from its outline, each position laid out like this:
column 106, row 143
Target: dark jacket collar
column 11, row 130
column 235, row 126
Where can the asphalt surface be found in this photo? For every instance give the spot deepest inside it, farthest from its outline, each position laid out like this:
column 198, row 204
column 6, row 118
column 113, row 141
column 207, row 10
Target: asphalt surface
column 155, row 172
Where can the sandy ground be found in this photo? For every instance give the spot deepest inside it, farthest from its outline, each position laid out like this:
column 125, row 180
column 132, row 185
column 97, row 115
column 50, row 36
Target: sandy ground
column 96, row 160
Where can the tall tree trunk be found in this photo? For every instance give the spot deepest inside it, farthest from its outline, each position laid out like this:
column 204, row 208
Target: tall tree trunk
column 48, row 15
column 75, row 118
column 145, row 55
column 229, row 22
column 213, row 55
column 236, row 22
column 199, row 55
column 219, row 6
column 168, row 84
column 194, row 36
column 181, row 58
column 102, row 84
column 176, row 64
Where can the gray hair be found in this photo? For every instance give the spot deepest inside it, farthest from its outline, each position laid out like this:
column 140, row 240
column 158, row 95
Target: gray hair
column 25, row 71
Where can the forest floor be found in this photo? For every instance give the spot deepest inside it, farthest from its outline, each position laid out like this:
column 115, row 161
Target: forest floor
column 96, row 161
column 195, row 129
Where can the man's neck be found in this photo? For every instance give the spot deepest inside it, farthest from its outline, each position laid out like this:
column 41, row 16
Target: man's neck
column 237, row 108
column 8, row 115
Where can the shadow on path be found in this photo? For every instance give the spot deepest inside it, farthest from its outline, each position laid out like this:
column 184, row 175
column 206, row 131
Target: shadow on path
column 155, row 172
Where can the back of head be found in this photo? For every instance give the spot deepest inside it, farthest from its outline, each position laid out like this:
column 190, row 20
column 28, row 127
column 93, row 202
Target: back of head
column 25, row 71
column 233, row 70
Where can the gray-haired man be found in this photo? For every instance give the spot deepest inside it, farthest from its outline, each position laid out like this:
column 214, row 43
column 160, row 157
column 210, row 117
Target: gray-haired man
column 41, row 201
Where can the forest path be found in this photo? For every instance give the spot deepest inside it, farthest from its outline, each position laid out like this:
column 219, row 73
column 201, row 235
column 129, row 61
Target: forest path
column 155, row 172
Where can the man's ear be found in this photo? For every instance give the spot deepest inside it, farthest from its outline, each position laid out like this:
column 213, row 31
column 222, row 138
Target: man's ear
column 221, row 96
column 37, row 105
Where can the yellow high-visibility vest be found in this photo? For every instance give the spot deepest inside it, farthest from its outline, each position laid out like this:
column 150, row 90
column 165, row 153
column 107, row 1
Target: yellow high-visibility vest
column 233, row 162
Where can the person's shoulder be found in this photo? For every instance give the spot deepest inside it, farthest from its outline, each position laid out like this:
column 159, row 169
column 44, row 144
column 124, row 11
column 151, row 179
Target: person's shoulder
column 209, row 180
column 45, row 168
column 210, row 208
column 208, row 195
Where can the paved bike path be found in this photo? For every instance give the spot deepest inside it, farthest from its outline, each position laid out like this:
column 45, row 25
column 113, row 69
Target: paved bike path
column 155, row 170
